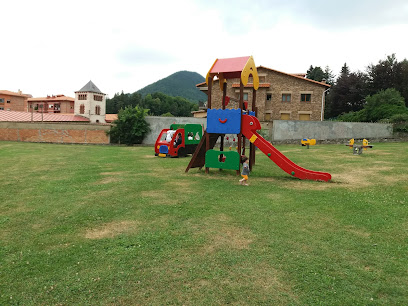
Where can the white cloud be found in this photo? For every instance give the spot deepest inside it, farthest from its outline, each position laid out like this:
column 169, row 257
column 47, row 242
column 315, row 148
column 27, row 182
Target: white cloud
column 57, row 47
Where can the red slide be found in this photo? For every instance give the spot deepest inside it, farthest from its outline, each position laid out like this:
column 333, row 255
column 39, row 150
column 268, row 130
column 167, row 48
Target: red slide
column 250, row 125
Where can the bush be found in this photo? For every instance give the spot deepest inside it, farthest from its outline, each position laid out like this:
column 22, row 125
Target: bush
column 384, row 105
column 400, row 123
column 359, row 116
column 130, row 127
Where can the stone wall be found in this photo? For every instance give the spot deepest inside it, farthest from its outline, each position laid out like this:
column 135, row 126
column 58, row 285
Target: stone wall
column 54, row 132
column 284, row 130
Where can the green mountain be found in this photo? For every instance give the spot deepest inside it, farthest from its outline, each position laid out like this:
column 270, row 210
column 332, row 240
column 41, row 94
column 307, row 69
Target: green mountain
column 179, row 84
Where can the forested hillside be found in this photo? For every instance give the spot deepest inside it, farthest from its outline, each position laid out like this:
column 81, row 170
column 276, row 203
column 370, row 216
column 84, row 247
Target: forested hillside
column 179, row 84
column 157, row 104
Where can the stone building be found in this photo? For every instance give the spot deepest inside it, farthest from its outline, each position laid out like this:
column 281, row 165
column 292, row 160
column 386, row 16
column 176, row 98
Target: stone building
column 90, row 102
column 13, row 101
column 52, row 104
column 280, row 96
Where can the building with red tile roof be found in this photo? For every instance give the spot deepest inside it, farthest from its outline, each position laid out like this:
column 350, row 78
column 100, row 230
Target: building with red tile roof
column 52, row 104
column 280, row 95
column 13, row 101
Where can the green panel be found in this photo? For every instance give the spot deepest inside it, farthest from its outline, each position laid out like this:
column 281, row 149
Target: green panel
column 176, row 126
column 196, row 130
column 231, row 159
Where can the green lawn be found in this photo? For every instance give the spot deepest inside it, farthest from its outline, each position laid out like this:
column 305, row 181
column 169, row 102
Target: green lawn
column 117, row 225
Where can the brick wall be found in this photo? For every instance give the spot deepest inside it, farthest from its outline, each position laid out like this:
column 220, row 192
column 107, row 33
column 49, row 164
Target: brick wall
column 14, row 103
column 54, row 132
column 279, row 83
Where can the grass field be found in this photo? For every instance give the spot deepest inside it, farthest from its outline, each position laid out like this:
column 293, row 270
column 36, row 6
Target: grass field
column 117, row 225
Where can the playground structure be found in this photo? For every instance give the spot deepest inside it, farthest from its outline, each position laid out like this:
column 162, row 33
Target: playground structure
column 308, row 142
column 240, row 122
column 179, row 140
column 358, row 149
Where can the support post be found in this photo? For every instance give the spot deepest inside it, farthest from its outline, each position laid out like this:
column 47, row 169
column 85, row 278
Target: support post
column 224, row 94
column 251, row 145
column 241, row 104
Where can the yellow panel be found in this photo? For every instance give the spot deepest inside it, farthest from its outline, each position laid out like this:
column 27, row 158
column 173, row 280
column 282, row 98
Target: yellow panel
column 285, row 116
column 253, row 138
column 267, row 117
column 208, row 73
column 250, row 69
column 304, row 117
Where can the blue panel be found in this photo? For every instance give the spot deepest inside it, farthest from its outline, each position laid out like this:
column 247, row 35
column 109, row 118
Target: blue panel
column 227, row 121
column 251, row 113
column 164, row 149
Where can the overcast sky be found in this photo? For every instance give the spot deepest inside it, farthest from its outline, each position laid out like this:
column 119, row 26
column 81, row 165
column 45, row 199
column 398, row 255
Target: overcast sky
column 56, row 47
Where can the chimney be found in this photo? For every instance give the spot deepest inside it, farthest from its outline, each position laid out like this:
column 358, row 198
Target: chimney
column 19, row 92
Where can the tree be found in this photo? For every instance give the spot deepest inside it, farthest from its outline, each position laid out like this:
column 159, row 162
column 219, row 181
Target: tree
column 385, row 104
column 130, row 127
column 328, row 75
column 389, row 73
column 347, row 94
column 315, row 73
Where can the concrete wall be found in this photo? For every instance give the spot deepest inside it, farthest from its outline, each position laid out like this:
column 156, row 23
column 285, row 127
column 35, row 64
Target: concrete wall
column 281, row 130
column 159, row 123
column 287, row 130
column 278, row 130
column 54, row 132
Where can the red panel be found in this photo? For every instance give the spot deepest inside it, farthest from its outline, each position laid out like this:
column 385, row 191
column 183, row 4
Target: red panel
column 249, row 126
column 230, row 64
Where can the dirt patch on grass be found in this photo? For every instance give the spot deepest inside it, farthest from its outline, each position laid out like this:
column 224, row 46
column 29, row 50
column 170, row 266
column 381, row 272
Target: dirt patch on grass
column 117, row 173
column 268, row 279
column 350, row 178
column 108, row 180
column 112, row 229
column 221, row 234
column 150, row 156
column 160, row 197
column 359, row 177
column 357, row 232
column 183, row 186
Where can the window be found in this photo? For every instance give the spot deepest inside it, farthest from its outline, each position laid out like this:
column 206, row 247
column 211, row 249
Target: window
column 286, row 97
column 245, row 96
column 82, row 97
column 97, row 110
column 304, row 117
column 8, row 101
column 1, row 108
column 98, row 98
column 267, row 117
column 285, row 116
column 82, row 109
column 1, row 101
column 305, row 97
column 268, row 97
